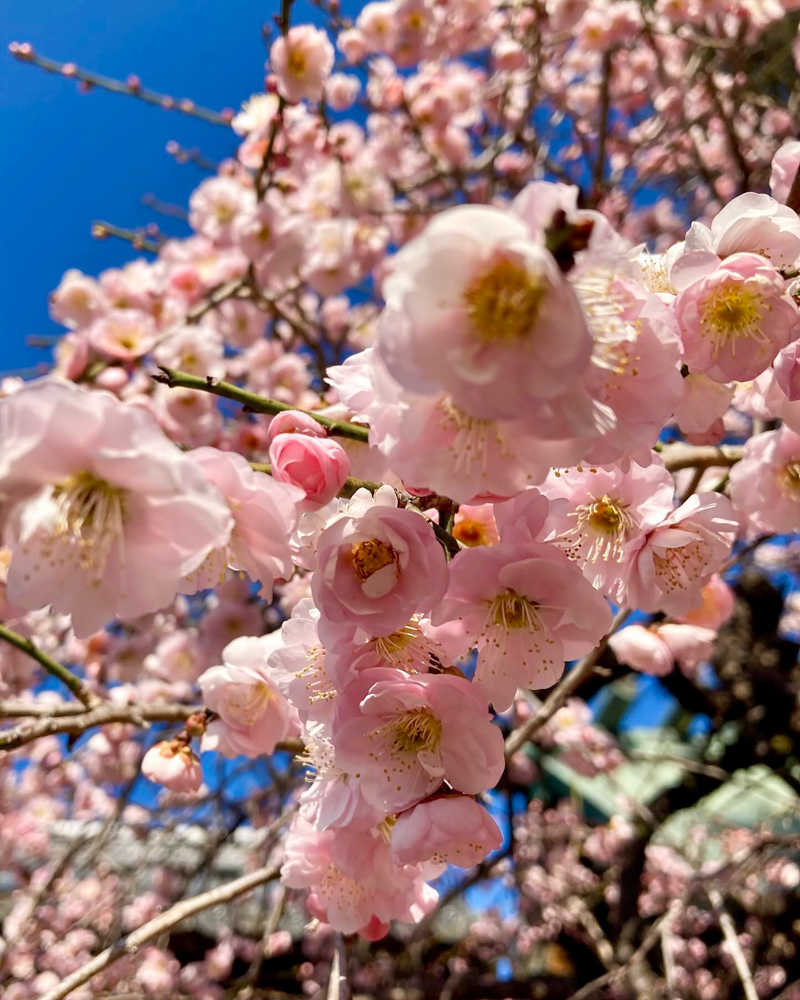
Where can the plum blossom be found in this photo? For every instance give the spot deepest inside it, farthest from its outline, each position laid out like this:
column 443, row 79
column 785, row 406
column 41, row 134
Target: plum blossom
column 784, row 168
column 105, row 515
column 734, row 316
column 173, row 764
column 478, row 308
column 679, row 556
column 264, row 513
column 409, row 734
column 125, row 334
column 655, row 650
column 452, row 828
column 765, row 485
column 527, row 609
column 253, row 716
column 350, row 896
column 375, row 571
column 302, row 60
column 606, row 513
column 751, row 223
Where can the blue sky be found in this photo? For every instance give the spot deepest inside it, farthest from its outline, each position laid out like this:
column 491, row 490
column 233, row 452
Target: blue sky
column 69, row 158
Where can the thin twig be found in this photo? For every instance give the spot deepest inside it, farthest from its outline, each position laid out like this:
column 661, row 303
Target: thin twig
column 77, row 686
column 732, row 941
column 131, row 88
column 558, row 696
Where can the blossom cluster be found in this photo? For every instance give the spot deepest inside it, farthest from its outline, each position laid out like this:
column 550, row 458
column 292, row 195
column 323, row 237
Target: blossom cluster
column 479, row 417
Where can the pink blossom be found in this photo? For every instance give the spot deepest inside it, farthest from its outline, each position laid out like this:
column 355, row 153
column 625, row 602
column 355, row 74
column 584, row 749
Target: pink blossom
column 215, row 205
column 784, row 168
column 475, row 525
column 302, row 60
column 704, row 402
column 655, row 650
column 253, row 715
column 78, row 300
column 410, row 734
column 679, row 556
column 341, row 91
column 316, row 465
column 174, row 765
column 715, row 606
column 376, row 570
column 605, row 515
column 527, row 609
column 451, row 828
column 196, row 350
column 787, row 371
column 110, row 515
column 264, row 514
column 300, row 667
column 353, row 897
column 752, row 223
column 734, row 316
column 125, row 334
column 478, row 308
column 765, row 485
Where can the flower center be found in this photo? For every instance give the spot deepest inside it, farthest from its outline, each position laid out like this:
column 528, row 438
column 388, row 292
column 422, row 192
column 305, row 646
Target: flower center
column 416, row 730
column 732, row 312
column 604, row 524
column 470, row 533
column 504, row 303
column 790, row 478
column 91, row 516
column 370, row 556
column 248, row 701
column 297, row 62
column 511, row 610
column 408, row 649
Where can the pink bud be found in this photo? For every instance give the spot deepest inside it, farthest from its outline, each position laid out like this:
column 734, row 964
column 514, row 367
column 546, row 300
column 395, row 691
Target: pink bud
column 174, row 765
column 317, row 465
column 294, row 422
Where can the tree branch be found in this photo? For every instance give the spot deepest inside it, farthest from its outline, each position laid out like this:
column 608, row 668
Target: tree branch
column 131, row 943
column 77, row 686
column 558, row 696
column 75, row 723
column 257, row 404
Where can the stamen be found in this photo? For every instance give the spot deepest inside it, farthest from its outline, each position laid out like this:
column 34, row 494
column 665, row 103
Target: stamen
column 90, row 516
column 732, row 312
column 602, row 529
column 504, row 303
column 370, row 556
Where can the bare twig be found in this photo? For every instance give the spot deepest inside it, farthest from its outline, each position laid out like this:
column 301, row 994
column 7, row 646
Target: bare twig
column 732, row 941
column 131, row 88
column 131, row 943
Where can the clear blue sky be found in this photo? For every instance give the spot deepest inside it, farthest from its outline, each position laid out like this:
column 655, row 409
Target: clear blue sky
column 69, row 158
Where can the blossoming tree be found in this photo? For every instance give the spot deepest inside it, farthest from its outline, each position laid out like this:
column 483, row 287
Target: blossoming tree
column 350, row 525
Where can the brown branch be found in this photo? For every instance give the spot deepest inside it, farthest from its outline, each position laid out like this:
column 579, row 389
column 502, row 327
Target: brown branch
column 684, row 456
column 102, row 230
column 164, row 922
column 558, row 696
column 58, row 721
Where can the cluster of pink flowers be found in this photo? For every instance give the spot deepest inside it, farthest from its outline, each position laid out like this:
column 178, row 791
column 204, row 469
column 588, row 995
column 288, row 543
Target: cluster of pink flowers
column 449, row 469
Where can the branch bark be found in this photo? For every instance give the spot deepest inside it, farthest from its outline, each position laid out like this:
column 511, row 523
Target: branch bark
column 77, row 686
column 257, row 404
